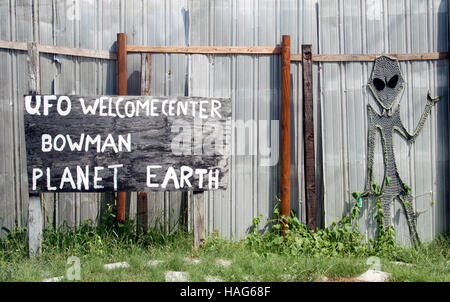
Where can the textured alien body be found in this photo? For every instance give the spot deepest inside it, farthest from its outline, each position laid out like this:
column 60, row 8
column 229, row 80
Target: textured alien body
column 386, row 83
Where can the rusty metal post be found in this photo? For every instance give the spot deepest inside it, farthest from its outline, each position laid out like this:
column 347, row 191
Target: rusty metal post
column 285, row 126
column 308, row 138
column 122, row 90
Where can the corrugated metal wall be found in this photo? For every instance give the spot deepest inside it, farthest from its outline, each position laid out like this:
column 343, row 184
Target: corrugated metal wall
column 253, row 84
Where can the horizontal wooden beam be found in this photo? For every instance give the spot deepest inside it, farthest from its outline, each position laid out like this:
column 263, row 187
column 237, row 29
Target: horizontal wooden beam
column 13, row 45
column 420, row 56
column 218, row 50
column 68, row 51
column 237, row 50
column 78, row 52
column 268, row 50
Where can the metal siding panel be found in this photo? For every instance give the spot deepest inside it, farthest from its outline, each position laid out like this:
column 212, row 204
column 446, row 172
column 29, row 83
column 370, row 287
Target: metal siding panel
column 355, row 105
column 218, row 202
column 439, row 84
column 109, row 26
column 176, row 35
column 7, row 192
column 64, row 83
column 334, row 197
column 441, row 209
column 8, row 198
column 48, row 70
column 22, row 32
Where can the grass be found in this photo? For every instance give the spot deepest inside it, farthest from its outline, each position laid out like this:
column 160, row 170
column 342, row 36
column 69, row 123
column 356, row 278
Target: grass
column 96, row 246
column 302, row 255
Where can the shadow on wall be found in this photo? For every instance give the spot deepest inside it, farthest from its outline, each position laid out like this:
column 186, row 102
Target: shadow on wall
column 442, row 215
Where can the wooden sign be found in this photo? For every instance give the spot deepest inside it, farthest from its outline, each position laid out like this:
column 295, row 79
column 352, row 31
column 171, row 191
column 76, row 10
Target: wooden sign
column 129, row 143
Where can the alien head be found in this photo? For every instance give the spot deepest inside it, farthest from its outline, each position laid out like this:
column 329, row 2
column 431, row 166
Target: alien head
column 386, row 81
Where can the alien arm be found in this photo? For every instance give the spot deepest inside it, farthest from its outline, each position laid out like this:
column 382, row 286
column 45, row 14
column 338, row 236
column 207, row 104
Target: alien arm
column 371, row 137
column 412, row 137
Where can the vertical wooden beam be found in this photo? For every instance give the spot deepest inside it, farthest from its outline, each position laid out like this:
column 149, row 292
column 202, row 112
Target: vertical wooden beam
column 122, row 90
column 35, row 219
column 35, row 222
column 285, row 126
column 142, row 212
column 146, row 73
column 308, row 138
column 34, row 81
column 122, row 63
column 199, row 218
column 142, row 197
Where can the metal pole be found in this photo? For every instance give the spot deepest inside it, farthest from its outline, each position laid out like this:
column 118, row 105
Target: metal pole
column 308, row 138
column 122, row 90
column 285, row 126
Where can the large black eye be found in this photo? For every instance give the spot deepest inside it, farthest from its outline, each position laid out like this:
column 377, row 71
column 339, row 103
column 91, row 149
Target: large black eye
column 393, row 82
column 378, row 83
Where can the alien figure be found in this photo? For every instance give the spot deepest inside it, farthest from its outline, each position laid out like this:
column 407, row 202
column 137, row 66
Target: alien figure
column 386, row 83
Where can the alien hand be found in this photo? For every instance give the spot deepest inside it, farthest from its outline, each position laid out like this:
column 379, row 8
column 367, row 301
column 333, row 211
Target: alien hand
column 431, row 99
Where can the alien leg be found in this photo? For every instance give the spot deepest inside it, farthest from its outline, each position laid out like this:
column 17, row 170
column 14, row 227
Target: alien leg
column 386, row 201
column 411, row 217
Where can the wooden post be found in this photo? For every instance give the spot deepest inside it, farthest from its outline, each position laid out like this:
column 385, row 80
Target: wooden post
column 142, row 197
column 122, row 90
column 308, row 138
column 199, row 218
column 122, row 63
column 285, row 126
column 146, row 73
column 142, row 212
column 35, row 222
column 35, row 219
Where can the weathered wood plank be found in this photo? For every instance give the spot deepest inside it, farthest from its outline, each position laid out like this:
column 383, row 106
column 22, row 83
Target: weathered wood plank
column 199, row 219
column 13, row 45
column 156, row 210
column 68, row 51
column 35, row 219
column 48, row 208
column 142, row 212
column 34, row 226
column 308, row 138
column 421, row 56
column 78, row 52
column 256, row 50
column 168, row 142
column 34, row 82
column 146, row 73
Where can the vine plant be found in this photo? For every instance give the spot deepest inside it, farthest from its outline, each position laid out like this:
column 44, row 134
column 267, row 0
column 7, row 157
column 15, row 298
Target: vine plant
column 385, row 238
